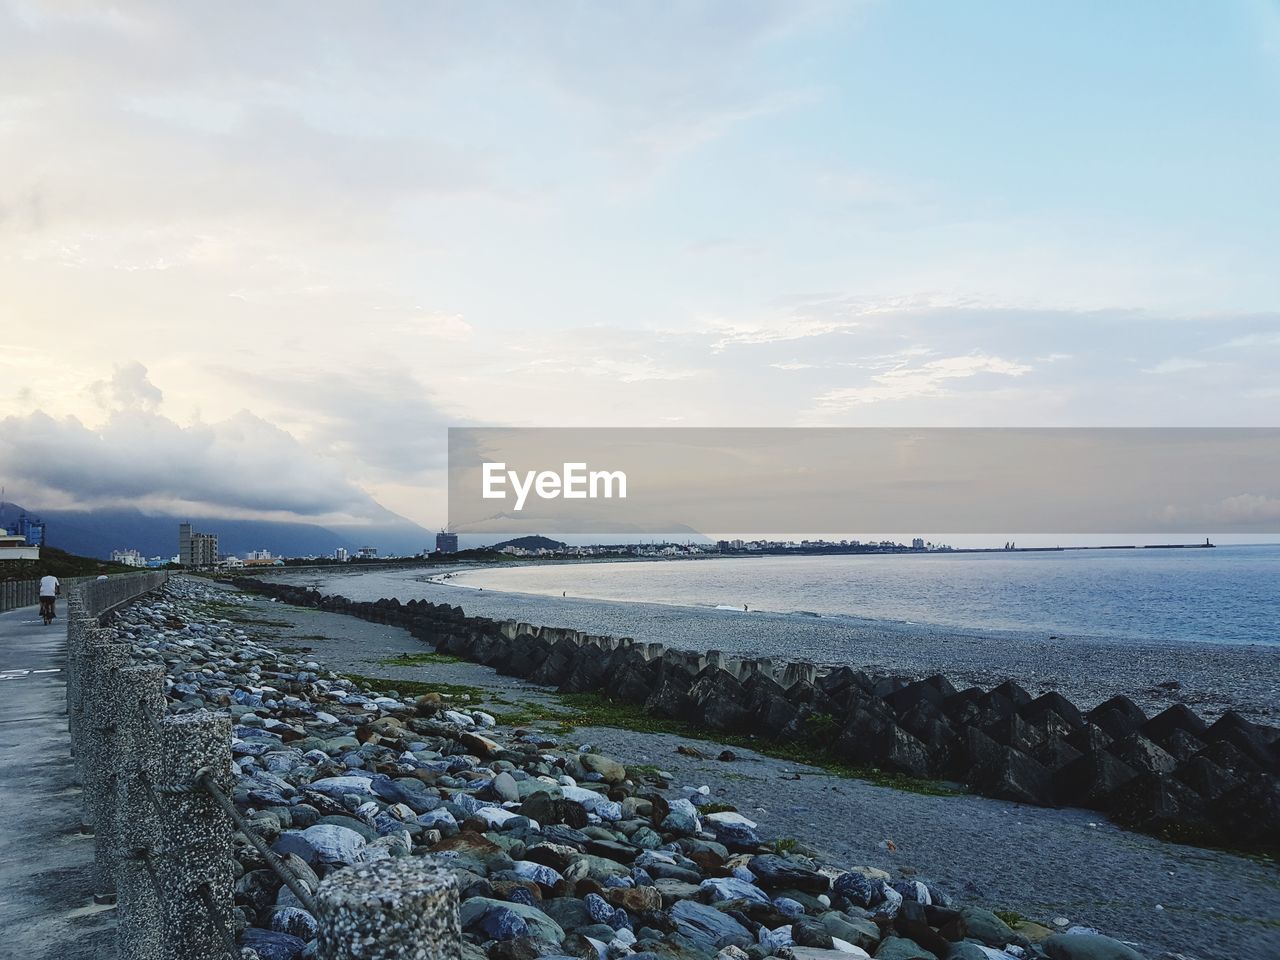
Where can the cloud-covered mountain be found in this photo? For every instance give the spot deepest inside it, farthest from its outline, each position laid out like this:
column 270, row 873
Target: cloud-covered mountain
column 95, row 533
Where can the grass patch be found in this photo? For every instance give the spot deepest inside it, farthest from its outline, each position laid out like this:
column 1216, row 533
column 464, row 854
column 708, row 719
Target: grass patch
column 593, row 710
column 642, row 770
column 419, row 659
column 417, row 688
column 1009, row 916
column 527, row 714
column 716, row 807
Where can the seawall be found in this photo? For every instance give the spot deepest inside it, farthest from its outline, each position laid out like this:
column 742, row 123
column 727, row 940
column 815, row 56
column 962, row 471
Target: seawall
column 1172, row 774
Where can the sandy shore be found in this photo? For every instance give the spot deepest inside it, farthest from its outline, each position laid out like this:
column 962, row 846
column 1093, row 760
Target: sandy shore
column 1211, row 678
column 1042, row 863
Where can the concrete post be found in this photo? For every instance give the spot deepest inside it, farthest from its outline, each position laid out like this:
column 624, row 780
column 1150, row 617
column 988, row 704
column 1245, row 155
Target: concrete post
column 404, row 908
column 197, row 836
column 101, row 764
column 140, row 809
column 78, row 631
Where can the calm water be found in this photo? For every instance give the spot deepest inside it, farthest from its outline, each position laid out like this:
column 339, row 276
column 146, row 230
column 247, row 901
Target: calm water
column 1224, row 595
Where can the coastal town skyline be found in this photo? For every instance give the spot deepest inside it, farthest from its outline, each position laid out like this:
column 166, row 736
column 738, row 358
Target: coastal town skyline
column 252, row 272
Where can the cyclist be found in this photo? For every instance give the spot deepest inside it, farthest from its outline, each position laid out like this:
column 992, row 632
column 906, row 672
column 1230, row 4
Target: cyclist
column 50, row 587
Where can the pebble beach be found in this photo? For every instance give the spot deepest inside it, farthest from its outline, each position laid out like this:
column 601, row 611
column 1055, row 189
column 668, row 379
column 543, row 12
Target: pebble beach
column 681, row 853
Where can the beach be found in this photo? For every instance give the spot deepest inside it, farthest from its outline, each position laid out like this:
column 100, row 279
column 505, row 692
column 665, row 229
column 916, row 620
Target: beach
column 1211, row 678
column 1043, row 864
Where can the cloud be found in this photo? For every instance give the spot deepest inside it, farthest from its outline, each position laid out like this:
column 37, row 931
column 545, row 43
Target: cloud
column 377, row 423
column 1176, row 365
column 1246, row 509
column 129, row 387
column 926, row 380
column 242, row 466
column 819, row 315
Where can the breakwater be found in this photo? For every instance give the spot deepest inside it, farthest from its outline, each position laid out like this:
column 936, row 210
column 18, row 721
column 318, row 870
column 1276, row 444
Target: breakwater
column 1172, row 774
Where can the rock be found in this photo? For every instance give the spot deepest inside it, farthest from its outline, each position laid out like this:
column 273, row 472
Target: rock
column 1086, row 946
column 635, row 899
column 855, row 930
column 673, row 891
column 479, row 745
column 731, row 888
column 473, row 910
column 570, row 912
column 1034, row 932
column 503, row 923
column 857, row 888
column 708, row 928
column 504, row 787
column 324, row 843
column 294, row 921
column 985, row 927
column 807, row 932
column 611, row 770
column 549, row 810
column 814, row 953
column 271, row 944
column 776, row 872
column 911, row 922
column 539, row 873
column 900, row 948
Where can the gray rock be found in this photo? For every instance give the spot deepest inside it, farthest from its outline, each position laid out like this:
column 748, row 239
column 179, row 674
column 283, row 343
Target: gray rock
column 707, row 927
column 472, row 912
column 1087, row 946
column 731, row 888
column 900, row 948
column 985, row 927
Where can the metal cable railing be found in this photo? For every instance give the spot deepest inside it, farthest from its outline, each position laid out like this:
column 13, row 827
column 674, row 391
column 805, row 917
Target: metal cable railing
column 204, row 780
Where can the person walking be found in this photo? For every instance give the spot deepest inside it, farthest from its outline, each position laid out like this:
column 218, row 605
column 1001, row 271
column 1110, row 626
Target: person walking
column 50, row 588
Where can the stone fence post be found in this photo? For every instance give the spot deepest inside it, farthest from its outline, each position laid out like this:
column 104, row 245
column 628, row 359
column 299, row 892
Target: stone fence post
column 140, row 807
column 405, row 908
column 100, row 761
column 194, row 868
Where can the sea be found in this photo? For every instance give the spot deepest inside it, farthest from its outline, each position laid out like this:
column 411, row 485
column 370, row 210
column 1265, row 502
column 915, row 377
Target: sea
column 1222, row 595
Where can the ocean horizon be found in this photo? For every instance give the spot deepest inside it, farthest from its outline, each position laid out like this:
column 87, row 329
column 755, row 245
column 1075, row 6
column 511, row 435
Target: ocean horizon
column 1222, row 596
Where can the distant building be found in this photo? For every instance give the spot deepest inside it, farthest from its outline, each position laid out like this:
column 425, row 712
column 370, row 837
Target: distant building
column 15, row 547
column 446, row 542
column 32, row 530
column 340, row 554
column 367, row 553
column 261, row 558
column 917, row 543
column 196, row 549
column 130, row 558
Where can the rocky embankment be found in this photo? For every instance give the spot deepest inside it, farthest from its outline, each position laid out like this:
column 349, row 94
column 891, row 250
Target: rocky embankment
column 1171, row 774
column 558, row 852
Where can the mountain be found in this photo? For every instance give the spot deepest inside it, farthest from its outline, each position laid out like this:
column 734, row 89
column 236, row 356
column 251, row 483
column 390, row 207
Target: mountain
column 96, row 533
column 530, row 543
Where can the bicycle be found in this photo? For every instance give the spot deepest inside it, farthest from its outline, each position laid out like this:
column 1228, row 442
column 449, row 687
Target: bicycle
column 46, row 610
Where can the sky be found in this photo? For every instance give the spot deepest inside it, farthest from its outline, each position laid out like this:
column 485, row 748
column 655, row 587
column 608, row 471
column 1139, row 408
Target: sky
column 257, row 258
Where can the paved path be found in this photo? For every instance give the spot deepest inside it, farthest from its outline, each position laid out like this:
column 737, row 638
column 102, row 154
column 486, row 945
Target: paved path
column 46, row 911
